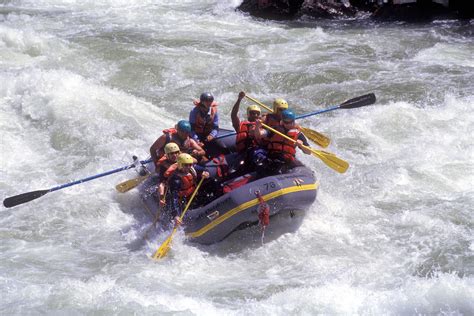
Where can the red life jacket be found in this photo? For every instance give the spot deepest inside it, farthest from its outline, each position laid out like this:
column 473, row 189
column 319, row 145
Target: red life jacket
column 245, row 138
column 172, row 136
column 203, row 127
column 162, row 164
column 278, row 145
column 272, row 120
column 188, row 180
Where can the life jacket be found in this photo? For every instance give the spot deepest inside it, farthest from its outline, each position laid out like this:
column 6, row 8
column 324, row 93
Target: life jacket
column 172, row 136
column 204, row 125
column 162, row 164
column 280, row 146
column 188, row 181
column 272, row 120
column 245, row 138
column 222, row 167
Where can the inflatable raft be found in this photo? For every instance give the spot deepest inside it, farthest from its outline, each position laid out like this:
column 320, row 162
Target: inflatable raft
column 288, row 194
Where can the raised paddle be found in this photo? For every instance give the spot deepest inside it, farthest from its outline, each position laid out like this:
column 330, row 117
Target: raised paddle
column 357, row 102
column 166, row 245
column 328, row 158
column 363, row 100
column 316, row 137
column 30, row 196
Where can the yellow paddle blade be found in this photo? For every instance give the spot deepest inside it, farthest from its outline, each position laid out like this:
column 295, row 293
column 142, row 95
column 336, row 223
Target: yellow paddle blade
column 130, row 184
column 330, row 160
column 165, row 246
column 316, row 137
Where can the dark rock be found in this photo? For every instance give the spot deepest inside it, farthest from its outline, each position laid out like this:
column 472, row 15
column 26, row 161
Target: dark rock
column 421, row 11
column 290, row 9
column 327, row 9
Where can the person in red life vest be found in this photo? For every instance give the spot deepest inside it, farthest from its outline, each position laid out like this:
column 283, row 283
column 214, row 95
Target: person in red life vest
column 273, row 119
column 245, row 129
column 204, row 119
column 179, row 135
column 281, row 152
column 172, row 152
column 182, row 181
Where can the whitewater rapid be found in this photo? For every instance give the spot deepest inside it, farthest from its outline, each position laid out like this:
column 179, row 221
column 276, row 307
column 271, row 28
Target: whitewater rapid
column 84, row 85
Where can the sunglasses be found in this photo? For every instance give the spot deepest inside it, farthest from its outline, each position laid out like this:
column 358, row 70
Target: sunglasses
column 288, row 122
column 187, row 164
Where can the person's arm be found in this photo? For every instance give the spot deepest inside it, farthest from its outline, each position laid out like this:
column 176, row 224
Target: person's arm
column 215, row 128
column 197, row 150
column 192, row 121
column 234, row 115
column 161, row 193
column 303, row 141
column 174, row 187
column 201, row 171
column 259, row 132
column 157, row 146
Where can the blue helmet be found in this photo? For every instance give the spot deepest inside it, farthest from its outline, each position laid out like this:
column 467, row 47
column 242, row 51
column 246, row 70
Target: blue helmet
column 206, row 96
column 288, row 115
column 184, row 126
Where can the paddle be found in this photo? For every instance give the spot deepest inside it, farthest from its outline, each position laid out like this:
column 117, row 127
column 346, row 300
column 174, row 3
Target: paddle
column 30, row 196
column 357, row 102
column 166, row 245
column 363, row 100
column 130, row 184
column 314, row 136
column 328, row 158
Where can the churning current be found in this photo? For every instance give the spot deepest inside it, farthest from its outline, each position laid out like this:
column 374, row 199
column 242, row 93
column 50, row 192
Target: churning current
column 84, row 85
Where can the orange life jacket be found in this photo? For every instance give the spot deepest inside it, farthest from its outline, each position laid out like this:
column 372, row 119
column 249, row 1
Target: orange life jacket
column 245, row 138
column 272, row 120
column 278, row 145
column 172, row 136
column 203, row 127
column 162, row 164
column 188, row 180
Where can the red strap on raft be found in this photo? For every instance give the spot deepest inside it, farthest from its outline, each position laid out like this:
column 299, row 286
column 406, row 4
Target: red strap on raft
column 263, row 211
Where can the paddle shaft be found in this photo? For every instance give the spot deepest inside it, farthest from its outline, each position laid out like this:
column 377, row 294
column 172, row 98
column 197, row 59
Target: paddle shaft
column 100, row 175
column 329, row 159
column 357, row 102
column 165, row 246
column 29, row 196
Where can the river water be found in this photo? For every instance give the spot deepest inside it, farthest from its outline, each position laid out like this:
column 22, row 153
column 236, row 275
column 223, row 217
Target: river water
column 86, row 84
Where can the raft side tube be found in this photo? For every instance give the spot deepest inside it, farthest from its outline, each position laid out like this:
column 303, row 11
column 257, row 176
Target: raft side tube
column 292, row 191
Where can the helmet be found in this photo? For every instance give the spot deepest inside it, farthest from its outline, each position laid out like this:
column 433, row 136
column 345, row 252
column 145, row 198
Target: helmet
column 206, row 96
column 288, row 115
column 184, row 159
column 184, row 126
column 253, row 107
column 279, row 104
column 171, row 148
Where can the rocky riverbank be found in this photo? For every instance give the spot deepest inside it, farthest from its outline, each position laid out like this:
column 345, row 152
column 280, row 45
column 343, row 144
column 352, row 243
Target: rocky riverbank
column 392, row 10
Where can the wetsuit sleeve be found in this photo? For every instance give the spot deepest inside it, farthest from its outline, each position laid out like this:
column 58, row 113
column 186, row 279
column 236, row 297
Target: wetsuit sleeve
column 303, row 139
column 215, row 126
column 174, row 187
column 192, row 121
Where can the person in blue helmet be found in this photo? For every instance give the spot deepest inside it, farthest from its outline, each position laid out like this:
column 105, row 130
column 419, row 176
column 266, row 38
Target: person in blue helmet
column 204, row 119
column 281, row 152
column 180, row 135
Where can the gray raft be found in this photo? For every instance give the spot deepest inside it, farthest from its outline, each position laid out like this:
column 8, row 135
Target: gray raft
column 288, row 195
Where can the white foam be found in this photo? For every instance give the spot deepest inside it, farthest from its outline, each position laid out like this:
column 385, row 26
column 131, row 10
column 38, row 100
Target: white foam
column 445, row 54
